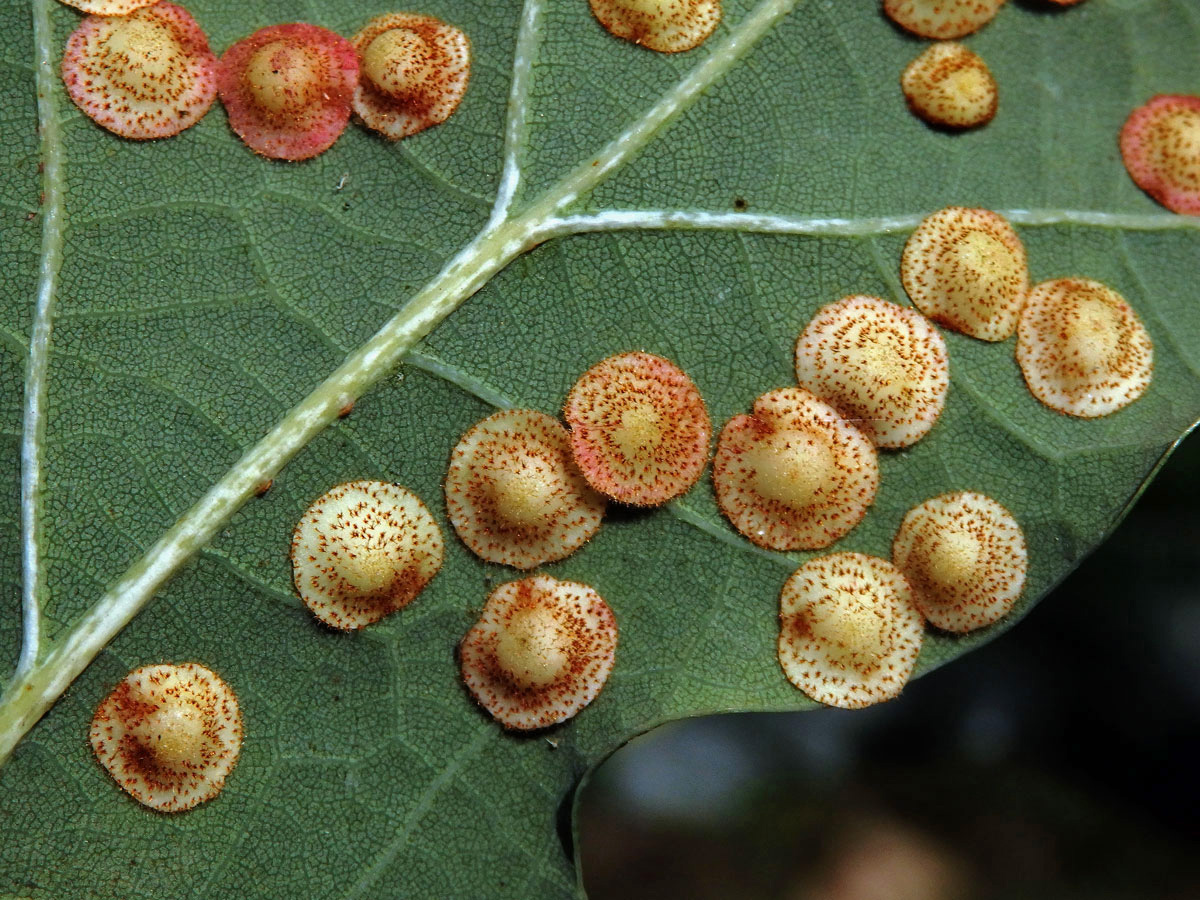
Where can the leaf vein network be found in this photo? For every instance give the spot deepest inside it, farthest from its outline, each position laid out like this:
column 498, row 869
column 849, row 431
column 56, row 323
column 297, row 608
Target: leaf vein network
column 1148, row 295
column 419, row 810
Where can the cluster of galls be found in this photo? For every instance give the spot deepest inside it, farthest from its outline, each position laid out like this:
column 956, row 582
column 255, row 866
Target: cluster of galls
column 144, row 70
column 851, row 625
column 522, row 490
column 949, row 85
column 801, row 470
column 1081, row 348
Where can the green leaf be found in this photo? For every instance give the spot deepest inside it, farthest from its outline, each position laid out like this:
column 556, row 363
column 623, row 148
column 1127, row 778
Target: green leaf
column 202, row 292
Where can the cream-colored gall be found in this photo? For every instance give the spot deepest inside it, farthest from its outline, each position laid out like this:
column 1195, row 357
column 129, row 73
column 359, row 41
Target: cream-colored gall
column 1082, row 348
column 639, row 428
column 363, row 550
column 413, row 74
column 169, row 735
column 849, row 632
column 883, row 367
column 540, row 652
column 966, row 269
column 964, row 555
column 514, row 493
column 794, row 474
column 949, row 85
column 668, row 26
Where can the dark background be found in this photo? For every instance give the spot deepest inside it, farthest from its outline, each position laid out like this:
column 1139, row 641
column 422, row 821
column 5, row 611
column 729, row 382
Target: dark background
column 1056, row 762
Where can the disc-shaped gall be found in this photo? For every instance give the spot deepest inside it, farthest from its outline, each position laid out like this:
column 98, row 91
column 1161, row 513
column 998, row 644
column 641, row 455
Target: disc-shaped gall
column 1082, row 348
column 540, row 652
column 108, row 7
column 964, row 556
column 668, row 26
column 794, row 475
column 639, row 428
column 514, row 493
column 882, row 366
column 169, row 735
column 288, row 88
column 363, row 550
column 149, row 74
column 849, row 633
column 951, row 86
column 941, row 19
column 1160, row 144
column 966, row 269
column 413, row 72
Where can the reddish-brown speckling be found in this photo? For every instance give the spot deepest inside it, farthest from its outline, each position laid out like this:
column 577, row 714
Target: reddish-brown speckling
column 941, row 19
column 849, row 632
column 514, row 493
column 794, row 474
column 287, row 89
column 108, row 7
column 882, row 366
column 949, row 85
column 572, row 648
column 668, row 26
column 414, row 71
column 639, row 429
column 262, row 487
column 146, row 75
column 363, row 550
column 1082, row 349
column 964, row 555
column 169, row 735
column 1160, row 144
column 966, row 270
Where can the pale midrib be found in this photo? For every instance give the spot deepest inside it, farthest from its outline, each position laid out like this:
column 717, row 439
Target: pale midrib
column 34, row 422
column 868, row 226
column 501, row 240
column 515, row 125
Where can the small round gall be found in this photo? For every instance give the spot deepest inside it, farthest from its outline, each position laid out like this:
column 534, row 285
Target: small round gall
column 363, row 550
column 951, row 86
column 668, row 26
column 882, row 366
column 413, row 72
column 514, row 493
column 1082, row 349
column 964, row 556
column 287, row 89
column 1160, row 144
column 639, row 428
column 941, row 19
column 540, row 652
column 849, row 633
column 169, row 734
column 794, row 475
column 149, row 74
column 108, row 7
column 966, row 269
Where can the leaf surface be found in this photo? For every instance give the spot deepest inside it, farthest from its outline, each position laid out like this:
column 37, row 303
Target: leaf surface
column 204, row 291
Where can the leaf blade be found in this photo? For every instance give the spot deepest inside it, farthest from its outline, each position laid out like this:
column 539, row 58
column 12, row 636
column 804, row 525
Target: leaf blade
column 367, row 767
